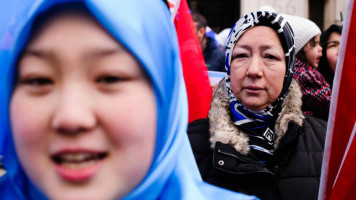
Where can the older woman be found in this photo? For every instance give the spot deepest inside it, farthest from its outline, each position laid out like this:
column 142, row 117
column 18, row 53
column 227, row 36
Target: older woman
column 256, row 139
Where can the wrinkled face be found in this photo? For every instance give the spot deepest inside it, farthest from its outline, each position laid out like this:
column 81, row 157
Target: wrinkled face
column 83, row 112
column 332, row 49
column 258, row 68
column 313, row 51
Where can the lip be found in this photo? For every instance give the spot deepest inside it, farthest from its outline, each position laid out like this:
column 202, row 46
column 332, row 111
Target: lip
column 82, row 173
column 253, row 89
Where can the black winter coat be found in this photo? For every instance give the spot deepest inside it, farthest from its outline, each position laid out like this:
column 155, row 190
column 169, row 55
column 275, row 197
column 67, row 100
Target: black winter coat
column 292, row 173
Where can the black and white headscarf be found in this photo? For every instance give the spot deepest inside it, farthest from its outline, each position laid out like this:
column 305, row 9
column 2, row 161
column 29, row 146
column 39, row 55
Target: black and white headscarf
column 259, row 125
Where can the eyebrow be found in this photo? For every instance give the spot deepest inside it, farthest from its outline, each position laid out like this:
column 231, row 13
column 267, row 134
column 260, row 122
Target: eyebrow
column 40, row 53
column 331, row 42
column 263, row 47
column 103, row 52
column 96, row 52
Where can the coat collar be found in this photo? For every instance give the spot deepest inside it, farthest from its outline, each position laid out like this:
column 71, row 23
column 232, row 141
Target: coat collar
column 222, row 128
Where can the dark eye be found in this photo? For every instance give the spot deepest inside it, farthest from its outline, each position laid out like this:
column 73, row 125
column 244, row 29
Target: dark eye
column 331, row 45
column 272, row 57
column 241, row 55
column 315, row 43
column 109, row 79
column 37, row 81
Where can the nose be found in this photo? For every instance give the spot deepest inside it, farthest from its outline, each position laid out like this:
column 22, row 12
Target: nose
column 337, row 50
column 254, row 69
column 320, row 48
column 74, row 112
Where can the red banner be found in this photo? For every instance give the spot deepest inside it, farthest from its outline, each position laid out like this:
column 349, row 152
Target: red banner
column 195, row 71
column 338, row 179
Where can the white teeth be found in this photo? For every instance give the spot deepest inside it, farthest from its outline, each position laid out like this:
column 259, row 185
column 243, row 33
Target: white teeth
column 80, row 165
column 76, row 157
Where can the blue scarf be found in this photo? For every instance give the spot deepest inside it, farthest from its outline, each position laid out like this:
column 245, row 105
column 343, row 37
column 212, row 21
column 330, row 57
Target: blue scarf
column 145, row 29
column 259, row 125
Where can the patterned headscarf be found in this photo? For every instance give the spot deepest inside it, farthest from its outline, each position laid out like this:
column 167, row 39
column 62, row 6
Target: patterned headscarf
column 133, row 23
column 259, row 125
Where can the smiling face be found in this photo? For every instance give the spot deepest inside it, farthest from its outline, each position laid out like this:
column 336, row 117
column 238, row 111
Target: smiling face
column 313, row 51
column 258, row 68
column 332, row 49
column 83, row 112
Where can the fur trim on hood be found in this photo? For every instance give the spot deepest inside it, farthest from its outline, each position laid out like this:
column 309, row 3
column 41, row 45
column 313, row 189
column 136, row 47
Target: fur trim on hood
column 224, row 130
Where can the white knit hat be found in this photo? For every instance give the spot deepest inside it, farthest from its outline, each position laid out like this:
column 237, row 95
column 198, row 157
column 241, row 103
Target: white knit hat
column 304, row 30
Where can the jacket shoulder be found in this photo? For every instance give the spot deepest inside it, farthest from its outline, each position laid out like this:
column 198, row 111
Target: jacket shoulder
column 303, row 170
column 315, row 129
column 198, row 134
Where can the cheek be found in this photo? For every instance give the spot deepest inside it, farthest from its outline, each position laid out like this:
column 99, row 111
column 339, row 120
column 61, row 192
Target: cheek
column 276, row 80
column 311, row 55
column 134, row 113
column 28, row 124
column 331, row 54
column 278, row 85
column 131, row 126
column 316, row 52
column 237, row 76
column 131, row 129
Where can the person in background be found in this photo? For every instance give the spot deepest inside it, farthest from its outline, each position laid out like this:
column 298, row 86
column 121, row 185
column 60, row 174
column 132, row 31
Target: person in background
column 93, row 107
column 214, row 57
column 256, row 139
column 330, row 41
column 316, row 90
column 222, row 37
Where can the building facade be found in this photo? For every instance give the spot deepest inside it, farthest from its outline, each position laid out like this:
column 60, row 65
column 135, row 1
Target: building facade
column 222, row 14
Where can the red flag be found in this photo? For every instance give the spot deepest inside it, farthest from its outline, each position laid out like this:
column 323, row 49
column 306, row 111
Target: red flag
column 195, row 72
column 338, row 180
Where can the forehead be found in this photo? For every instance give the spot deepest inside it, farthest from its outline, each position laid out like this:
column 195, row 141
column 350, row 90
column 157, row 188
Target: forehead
column 67, row 24
column 196, row 24
column 260, row 34
column 70, row 35
column 334, row 35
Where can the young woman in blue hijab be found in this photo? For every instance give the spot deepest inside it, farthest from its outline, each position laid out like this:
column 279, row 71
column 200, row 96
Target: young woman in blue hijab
column 94, row 106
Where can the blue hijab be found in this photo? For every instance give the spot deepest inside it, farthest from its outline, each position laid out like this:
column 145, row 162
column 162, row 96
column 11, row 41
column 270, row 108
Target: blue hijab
column 145, row 29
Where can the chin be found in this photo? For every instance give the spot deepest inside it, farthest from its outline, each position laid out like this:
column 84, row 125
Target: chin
column 88, row 190
column 254, row 107
column 83, row 194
